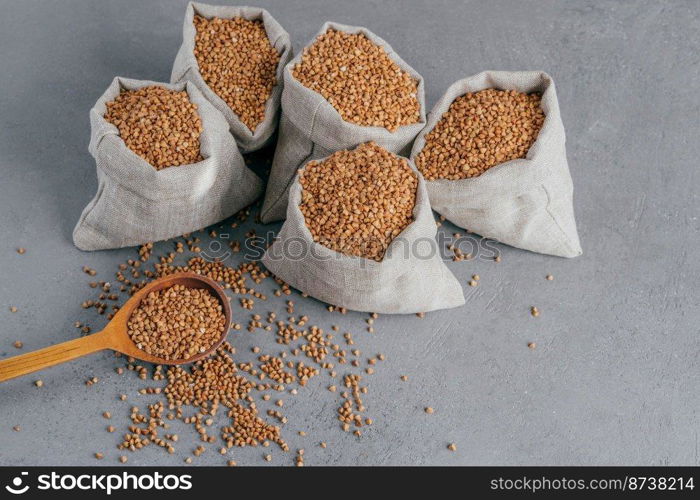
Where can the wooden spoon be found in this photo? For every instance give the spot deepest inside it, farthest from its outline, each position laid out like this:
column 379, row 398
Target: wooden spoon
column 115, row 335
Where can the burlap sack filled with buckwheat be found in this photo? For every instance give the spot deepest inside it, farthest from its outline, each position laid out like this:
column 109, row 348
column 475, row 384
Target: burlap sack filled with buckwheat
column 410, row 278
column 186, row 68
column 526, row 203
column 136, row 204
column 311, row 128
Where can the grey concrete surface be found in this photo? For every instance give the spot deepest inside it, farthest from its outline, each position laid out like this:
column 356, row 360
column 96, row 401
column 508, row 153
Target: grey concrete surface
column 615, row 377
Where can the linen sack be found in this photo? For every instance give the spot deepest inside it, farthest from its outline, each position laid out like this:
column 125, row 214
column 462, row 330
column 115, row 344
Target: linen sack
column 411, row 277
column 311, row 128
column 186, row 67
column 136, row 204
column 526, row 203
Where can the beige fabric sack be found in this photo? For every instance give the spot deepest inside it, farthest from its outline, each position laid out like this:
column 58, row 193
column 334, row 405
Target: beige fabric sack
column 311, row 128
column 525, row 203
column 411, row 278
column 186, row 68
column 135, row 203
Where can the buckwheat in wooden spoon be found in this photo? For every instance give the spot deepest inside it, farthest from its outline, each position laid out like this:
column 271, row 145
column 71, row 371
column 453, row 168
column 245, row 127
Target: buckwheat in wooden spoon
column 116, row 334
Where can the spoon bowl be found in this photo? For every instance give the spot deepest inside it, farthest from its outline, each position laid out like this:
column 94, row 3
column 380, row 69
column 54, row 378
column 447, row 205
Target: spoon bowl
column 115, row 335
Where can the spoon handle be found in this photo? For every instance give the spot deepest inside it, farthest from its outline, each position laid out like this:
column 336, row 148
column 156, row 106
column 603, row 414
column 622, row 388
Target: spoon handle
column 48, row 356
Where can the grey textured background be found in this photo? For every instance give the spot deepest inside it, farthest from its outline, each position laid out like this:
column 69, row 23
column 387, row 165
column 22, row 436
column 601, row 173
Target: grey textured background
column 615, row 378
